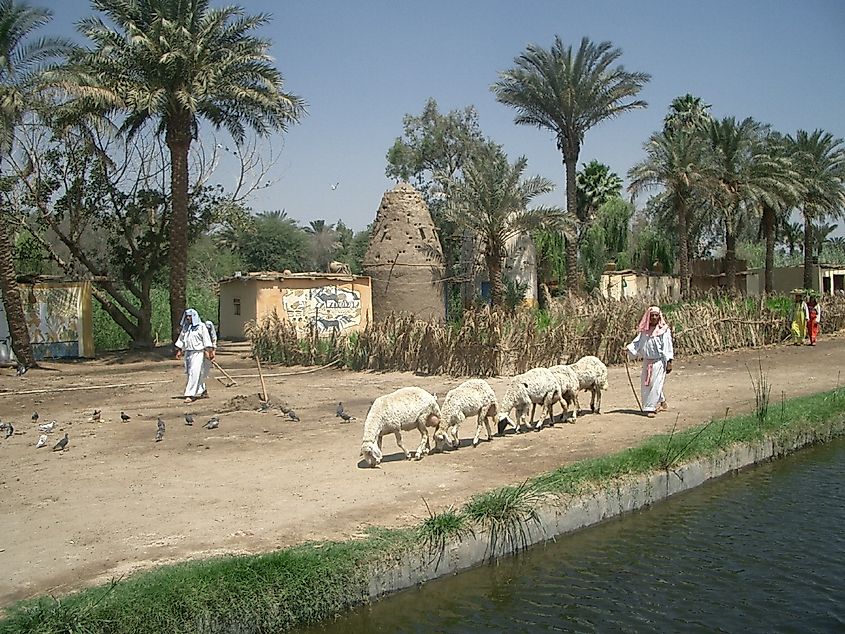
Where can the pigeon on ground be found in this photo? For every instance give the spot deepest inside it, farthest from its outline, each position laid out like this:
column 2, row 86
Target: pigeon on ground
column 60, row 446
column 34, row 417
column 42, row 441
column 212, row 423
column 9, row 430
column 47, row 427
column 21, row 369
column 160, row 432
column 96, row 415
column 339, row 410
column 189, row 418
column 292, row 415
column 284, row 409
column 124, row 417
column 264, row 406
column 346, row 417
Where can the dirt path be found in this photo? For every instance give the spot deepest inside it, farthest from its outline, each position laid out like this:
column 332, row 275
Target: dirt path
column 116, row 501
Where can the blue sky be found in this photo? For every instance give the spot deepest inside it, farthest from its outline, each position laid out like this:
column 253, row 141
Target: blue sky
column 361, row 66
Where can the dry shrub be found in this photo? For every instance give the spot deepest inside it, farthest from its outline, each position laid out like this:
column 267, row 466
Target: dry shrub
column 489, row 343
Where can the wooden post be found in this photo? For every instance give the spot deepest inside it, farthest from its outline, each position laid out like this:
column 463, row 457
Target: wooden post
column 261, row 376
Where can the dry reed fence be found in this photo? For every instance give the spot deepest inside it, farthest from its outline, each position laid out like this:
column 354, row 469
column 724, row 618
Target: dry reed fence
column 489, row 343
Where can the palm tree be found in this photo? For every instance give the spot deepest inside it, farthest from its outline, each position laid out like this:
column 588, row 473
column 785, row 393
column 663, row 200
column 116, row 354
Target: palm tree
column 174, row 64
column 22, row 63
column 677, row 162
column 819, row 159
column 821, row 236
column 687, row 113
column 569, row 93
column 596, row 184
column 791, row 235
column 491, row 203
column 324, row 243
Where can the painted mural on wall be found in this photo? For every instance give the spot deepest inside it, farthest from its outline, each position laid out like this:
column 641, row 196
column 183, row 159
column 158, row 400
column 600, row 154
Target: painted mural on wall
column 327, row 309
column 53, row 317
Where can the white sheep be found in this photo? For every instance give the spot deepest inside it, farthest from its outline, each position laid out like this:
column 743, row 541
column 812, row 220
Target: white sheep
column 569, row 387
column 592, row 377
column 537, row 386
column 403, row 410
column 472, row 397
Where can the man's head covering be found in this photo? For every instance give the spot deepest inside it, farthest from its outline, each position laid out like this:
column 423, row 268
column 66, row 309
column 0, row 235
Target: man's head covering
column 195, row 323
column 645, row 326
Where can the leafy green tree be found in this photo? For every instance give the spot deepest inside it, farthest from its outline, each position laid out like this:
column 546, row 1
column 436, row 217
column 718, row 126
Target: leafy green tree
column 491, row 203
column 271, row 241
column 596, row 185
column 569, row 92
column 819, row 159
column 22, row 64
column 176, row 63
column 323, row 243
column 605, row 239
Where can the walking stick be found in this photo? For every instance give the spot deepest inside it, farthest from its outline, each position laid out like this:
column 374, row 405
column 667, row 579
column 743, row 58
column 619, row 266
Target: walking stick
column 226, row 374
column 631, row 382
column 261, row 376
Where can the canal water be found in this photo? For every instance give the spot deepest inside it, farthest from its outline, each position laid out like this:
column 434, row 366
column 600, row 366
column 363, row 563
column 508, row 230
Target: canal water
column 762, row 551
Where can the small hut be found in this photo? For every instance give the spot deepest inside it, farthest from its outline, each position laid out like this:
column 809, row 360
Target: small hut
column 404, row 258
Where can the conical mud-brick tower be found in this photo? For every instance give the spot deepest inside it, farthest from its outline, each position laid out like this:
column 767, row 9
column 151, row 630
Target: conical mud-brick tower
column 404, row 258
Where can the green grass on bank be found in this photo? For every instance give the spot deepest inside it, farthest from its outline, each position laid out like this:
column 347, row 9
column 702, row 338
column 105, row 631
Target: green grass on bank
column 305, row 584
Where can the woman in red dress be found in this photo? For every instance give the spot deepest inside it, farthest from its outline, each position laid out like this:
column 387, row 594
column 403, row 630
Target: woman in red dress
column 815, row 312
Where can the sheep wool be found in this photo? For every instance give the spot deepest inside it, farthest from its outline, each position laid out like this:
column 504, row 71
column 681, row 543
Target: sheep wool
column 592, row 377
column 474, row 397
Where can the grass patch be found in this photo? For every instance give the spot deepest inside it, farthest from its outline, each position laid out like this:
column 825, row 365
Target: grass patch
column 305, row 584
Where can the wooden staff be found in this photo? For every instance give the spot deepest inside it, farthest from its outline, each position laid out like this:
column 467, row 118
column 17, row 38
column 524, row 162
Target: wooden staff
column 261, row 376
column 631, row 382
column 226, row 374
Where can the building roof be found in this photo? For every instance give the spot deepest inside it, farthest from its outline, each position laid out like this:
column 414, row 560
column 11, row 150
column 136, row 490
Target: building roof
column 276, row 276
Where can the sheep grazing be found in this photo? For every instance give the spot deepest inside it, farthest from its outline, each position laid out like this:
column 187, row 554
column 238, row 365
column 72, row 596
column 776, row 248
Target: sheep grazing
column 592, row 377
column 474, row 397
column 538, row 386
column 403, row 410
column 569, row 387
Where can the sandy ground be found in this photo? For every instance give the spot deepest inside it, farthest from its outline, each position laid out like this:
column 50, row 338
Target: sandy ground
column 115, row 501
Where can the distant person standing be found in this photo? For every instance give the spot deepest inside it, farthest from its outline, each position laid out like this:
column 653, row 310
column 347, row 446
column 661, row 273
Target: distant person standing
column 800, row 317
column 206, row 364
column 194, row 344
column 653, row 344
column 814, row 317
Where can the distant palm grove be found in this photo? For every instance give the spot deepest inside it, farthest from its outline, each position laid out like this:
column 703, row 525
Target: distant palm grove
column 108, row 146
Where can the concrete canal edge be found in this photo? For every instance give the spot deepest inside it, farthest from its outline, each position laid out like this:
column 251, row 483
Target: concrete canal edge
column 563, row 516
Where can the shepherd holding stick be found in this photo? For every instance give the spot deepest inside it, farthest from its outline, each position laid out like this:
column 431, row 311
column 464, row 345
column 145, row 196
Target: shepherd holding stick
column 653, row 344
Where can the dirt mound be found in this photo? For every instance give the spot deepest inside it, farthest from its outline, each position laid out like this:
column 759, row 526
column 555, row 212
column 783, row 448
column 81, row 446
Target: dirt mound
column 242, row 402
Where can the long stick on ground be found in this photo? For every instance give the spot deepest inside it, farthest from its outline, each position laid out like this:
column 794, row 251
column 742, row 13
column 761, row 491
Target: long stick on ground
column 631, row 382
column 79, row 388
column 261, row 376
column 226, row 374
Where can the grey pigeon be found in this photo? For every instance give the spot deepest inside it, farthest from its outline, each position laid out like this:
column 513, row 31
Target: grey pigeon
column 21, row 369
column 42, row 441
column 96, row 415
column 124, row 416
column 9, row 430
column 292, row 415
column 346, row 417
column 160, row 432
column 212, row 423
column 339, row 411
column 264, row 406
column 47, row 427
column 34, row 417
column 60, row 446
column 189, row 418
column 284, row 409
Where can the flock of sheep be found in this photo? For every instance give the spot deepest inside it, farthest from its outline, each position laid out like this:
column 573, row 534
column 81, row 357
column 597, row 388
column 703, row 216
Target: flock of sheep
column 410, row 408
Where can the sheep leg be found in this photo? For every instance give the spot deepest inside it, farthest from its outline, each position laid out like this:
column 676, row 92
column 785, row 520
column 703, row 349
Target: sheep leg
column 533, row 409
column 490, row 413
column 424, row 441
column 480, row 416
column 593, row 401
column 598, row 400
column 398, row 435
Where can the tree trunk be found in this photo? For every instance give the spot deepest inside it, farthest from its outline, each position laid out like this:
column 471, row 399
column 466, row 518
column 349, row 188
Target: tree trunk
column 494, row 271
column 769, row 232
column 21, row 345
column 683, row 246
column 730, row 257
column 144, row 334
column 179, row 143
column 570, row 161
column 808, row 250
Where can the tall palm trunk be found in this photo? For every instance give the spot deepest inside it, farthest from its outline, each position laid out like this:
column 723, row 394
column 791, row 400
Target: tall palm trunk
column 21, row 345
column 730, row 257
column 769, row 224
column 570, row 161
column 808, row 250
column 178, row 142
column 494, row 271
column 683, row 245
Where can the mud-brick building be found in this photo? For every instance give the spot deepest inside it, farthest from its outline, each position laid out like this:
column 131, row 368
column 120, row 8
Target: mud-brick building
column 404, row 259
column 325, row 302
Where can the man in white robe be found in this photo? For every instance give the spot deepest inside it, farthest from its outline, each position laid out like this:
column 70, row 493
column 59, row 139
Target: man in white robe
column 206, row 364
column 653, row 344
column 194, row 344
